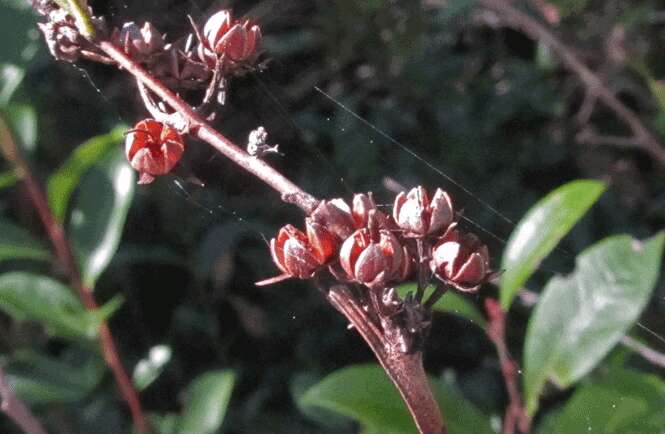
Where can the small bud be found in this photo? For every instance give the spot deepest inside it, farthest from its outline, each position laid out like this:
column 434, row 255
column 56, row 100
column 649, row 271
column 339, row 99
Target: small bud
column 139, row 43
column 298, row 254
column 62, row 37
column 373, row 261
column 460, row 260
column 222, row 35
column 418, row 217
column 153, row 148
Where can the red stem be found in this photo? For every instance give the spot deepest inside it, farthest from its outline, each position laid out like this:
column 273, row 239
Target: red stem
column 66, row 258
column 290, row 192
column 405, row 370
column 16, row 410
column 496, row 331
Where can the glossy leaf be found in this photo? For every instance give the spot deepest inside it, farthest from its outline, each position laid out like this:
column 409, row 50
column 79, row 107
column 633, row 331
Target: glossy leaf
column 579, row 318
column 22, row 120
column 38, row 379
column 207, row 400
column 62, row 183
column 27, row 296
column 99, row 214
column 148, row 369
column 538, row 233
column 11, row 77
column 365, row 394
column 625, row 402
column 16, row 243
column 451, row 302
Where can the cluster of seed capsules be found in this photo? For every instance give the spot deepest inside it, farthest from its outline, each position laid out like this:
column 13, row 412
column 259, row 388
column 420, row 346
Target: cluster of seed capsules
column 361, row 244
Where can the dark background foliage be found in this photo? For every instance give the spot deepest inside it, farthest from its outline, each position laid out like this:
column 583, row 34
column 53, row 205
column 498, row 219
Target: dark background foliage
column 479, row 102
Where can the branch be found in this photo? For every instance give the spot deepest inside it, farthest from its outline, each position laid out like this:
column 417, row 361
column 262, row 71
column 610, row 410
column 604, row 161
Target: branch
column 405, row 370
column 198, row 126
column 65, row 256
column 645, row 140
column 516, row 415
column 16, row 410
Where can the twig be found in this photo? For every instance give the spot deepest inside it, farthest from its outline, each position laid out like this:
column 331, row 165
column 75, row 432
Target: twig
column 645, row 140
column 16, row 410
column 516, row 415
column 199, row 127
column 65, row 256
column 404, row 369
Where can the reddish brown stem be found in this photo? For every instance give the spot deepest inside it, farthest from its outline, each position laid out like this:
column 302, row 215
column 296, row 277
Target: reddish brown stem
column 405, row 370
column 290, row 192
column 16, row 410
column 65, row 257
column 496, row 330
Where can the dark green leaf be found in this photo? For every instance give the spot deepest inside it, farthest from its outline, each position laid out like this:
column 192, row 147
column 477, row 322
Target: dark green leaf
column 579, row 318
column 27, row 296
column 541, row 230
column 16, row 243
column 625, row 402
column 11, row 77
column 165, row 423
column 62, row 183
column 7, row 179
column 148, row 369
column 207, row 399
column 365, row 394
column 38, row 379
column 99, row 214
column 452, row 302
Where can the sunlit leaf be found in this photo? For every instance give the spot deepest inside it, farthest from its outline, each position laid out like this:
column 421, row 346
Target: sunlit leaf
column 16, row 243
column 22, row 120
column 624, row 402
column 99, row 213
column 579, row 318
column 62, row 183
column 365, row 394
column 538, row 233
column 11, row 77
column 207, row 400
column 148, row 369
column 38, row 379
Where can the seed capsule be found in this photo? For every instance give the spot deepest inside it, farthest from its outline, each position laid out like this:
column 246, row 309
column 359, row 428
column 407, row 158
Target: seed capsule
column 153, row 148
column 460, row 260
column 222, row 35
column 418, row 217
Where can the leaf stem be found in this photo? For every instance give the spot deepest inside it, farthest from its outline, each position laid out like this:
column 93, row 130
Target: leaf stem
column 65, row 256
column 16, row 410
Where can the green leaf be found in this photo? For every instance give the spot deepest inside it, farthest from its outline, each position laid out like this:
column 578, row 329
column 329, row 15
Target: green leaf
column 568, row 7
column 20, row 39
column 365, row 394
column 207, row 400
column 451, row 302
column 8, row 178
column 11, row 77
column 38, row 379
column 62, row 183
column 540, row 231
column 579, row 318
column 625, row 402
column 148, row 369
column 22, row 120
column 99, row 214
column 26, row 296
column 16, row 243
column 165, row 423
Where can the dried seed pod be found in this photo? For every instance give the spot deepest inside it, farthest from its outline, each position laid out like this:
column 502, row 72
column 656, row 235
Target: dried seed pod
column 460, row 260
column 139, row 42
column 417, row 216
column 223, row 36
column 153, row 148
column 374, row 260
column 298, row 254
